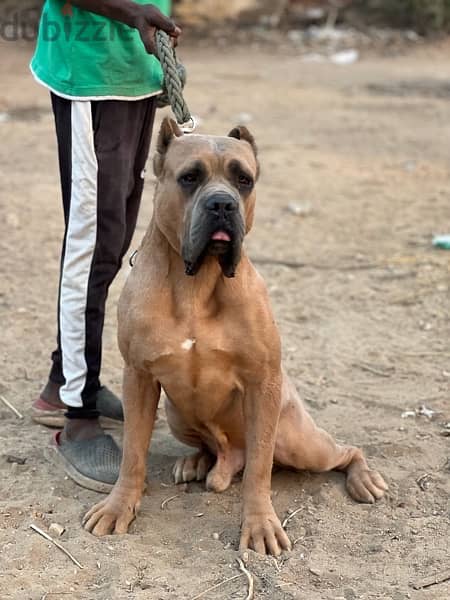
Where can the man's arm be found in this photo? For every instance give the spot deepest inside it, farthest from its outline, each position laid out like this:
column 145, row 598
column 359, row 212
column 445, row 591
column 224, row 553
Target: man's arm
column 146, row 18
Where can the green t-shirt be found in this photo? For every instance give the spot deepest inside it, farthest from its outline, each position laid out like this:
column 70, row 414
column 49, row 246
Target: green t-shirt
column 82, row 55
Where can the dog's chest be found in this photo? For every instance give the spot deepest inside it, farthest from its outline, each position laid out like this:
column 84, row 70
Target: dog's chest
column 194, row 363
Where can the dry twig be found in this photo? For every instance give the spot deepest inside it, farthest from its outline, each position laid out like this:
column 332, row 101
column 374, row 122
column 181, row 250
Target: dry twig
column 249, row 576
column 289, row 517
column 214, row 587
column 275, row 562
column 57, row 544
column 441, row 353
column 165, row 502
column 432, row 580
column 11, row 407
column 292, row 264
column 369, row 369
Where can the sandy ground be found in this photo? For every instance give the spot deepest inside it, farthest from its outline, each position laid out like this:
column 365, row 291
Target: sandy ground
column 364, row 316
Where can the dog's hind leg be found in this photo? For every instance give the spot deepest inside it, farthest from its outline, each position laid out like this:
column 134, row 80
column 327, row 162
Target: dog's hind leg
column 216, row 460
column 301, row 445
column 217, row 470
column 193, row 468
column 229, row 462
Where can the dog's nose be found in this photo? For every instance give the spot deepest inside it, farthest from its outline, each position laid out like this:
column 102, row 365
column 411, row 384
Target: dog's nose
column 221, row 203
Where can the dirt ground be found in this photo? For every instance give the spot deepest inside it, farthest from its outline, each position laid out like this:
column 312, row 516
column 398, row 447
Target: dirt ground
column 362, row 301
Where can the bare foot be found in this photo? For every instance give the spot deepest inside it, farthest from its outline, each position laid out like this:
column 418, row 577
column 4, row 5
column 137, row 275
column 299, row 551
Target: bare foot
column 50, row 394
column 76, row 430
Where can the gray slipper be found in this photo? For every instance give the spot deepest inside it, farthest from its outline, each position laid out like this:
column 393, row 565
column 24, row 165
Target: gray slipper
column 93, row 464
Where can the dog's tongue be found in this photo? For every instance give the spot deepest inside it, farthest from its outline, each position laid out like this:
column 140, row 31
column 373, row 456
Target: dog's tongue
column 221, row 236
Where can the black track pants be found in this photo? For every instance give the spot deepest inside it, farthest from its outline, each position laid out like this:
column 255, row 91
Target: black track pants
column 103, row 147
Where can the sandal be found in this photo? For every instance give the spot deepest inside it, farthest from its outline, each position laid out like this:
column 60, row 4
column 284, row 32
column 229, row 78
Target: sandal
column 108, row 404
column 94, row 463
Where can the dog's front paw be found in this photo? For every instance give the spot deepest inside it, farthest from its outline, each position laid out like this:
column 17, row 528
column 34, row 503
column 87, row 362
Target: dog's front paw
column 263, row 533
column 114, row 514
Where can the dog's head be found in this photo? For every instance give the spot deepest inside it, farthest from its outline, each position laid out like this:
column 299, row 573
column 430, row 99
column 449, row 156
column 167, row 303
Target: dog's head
column 205, row 197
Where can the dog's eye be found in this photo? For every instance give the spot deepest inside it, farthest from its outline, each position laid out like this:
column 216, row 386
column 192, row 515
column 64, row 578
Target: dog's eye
column 244, row 181
column 188, row 179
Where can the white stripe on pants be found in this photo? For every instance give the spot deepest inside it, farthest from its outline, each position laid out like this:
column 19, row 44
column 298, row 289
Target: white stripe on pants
column 80, row 246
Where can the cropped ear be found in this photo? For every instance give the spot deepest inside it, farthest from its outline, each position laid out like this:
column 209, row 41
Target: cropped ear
column 169, row 130
column 242, row 133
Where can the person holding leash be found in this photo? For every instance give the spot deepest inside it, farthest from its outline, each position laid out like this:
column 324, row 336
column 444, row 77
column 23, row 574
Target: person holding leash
column 96, row 58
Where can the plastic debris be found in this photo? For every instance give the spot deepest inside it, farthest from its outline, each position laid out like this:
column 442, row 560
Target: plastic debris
column 345, row 57
column 408, row 413
column 442, row 241
column 422, row 411
column 426, row 412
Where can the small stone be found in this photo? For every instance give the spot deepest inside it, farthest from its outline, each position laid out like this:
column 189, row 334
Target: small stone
column 315, row 571
column 56, row 529
column 216, row 536
column 300, row 210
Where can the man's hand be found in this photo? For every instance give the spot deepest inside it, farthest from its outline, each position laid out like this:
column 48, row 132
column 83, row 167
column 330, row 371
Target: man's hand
column 148, row 20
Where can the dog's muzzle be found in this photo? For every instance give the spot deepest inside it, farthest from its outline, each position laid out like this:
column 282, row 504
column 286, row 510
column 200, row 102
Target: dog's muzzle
column 216, row 227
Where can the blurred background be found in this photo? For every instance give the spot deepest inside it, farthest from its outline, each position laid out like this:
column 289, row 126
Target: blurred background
column 425, row 16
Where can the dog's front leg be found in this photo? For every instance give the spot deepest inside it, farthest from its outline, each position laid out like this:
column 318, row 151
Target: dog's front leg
column 115, row 513
column 261, row 528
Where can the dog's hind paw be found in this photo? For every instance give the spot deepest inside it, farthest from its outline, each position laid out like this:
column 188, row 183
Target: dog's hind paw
column 365, row 485
column 192, row 468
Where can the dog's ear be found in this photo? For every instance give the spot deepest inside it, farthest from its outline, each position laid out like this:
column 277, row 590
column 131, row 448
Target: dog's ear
column 169, row 130
column 242, row 133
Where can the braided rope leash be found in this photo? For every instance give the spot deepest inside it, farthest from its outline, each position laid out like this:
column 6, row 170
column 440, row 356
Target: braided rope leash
column 174, row 80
